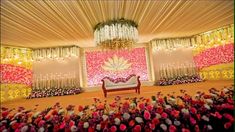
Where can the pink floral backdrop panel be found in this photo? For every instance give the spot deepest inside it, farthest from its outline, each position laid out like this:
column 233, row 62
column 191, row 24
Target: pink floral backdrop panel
column 214, row 56
column 134, row 59
column 11, row 74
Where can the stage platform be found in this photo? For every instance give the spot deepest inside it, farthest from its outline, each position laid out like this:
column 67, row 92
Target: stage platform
column 86, row 98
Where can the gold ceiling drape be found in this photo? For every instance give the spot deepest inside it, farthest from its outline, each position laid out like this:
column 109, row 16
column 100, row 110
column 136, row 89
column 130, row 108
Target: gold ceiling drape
column 39, row 23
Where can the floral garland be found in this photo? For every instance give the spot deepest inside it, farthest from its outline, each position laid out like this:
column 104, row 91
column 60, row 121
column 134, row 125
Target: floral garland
column 179, row 80
column 204, row 112
column 50, row 92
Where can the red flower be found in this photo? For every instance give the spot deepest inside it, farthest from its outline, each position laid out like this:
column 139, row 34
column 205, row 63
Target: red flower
column 147, row 100
column 54, row 112
column 56, row 128
column 122, row 127
column 15, row 126
column 185, row 130
column 227, row 125
column 66, row 118
column 175, row 113
column 91, row 129
column 147, row 115
column 48, row 117
column 193, row 110
column 71, row 123
column 196, row 128
column 137, row 128
column 100, row 107
column 172, row 128
column 164, row 115
column 113, row 129
column 159, row 110
column 152, row 126
column 155, row 121
column 132, row 123
column 113, row 104
column 80, row 108
column 161, row 100
column 198, row 116
column 4, row 114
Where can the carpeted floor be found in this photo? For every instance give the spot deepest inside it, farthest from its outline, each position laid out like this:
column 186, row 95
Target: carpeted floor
column 86, row 98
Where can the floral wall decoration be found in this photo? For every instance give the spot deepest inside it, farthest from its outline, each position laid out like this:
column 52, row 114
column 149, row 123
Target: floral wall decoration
column 214, row 53
column 115, row 64
column 214, row 56
column 15, row 72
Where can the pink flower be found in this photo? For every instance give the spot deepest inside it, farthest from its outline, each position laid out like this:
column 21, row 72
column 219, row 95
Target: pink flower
column 149, row 107
column 172, row 128
column 122, row 127
column 41, row 123
column 152, row 126
column 147, row 115
column 113, row 129
column 218, row 115
column 227, row 125
column 137, row 128
column 228, row 116
column 228, row 106
column 192, row 120
column 62, row 125
column 164, row 115
column 95, row 114
column 142, row 106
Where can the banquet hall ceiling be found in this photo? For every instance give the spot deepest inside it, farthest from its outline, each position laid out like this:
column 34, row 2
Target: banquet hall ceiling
column 59, row 22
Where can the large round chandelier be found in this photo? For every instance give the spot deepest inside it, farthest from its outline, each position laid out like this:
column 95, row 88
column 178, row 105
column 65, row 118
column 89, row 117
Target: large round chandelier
column 116, row 34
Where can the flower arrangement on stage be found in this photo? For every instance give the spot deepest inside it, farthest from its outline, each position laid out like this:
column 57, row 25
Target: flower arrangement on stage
column 49, row 92
column 204, row 112
column 179, row 80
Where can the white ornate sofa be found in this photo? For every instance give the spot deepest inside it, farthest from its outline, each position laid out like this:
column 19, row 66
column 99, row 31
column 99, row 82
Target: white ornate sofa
column 119, row 84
